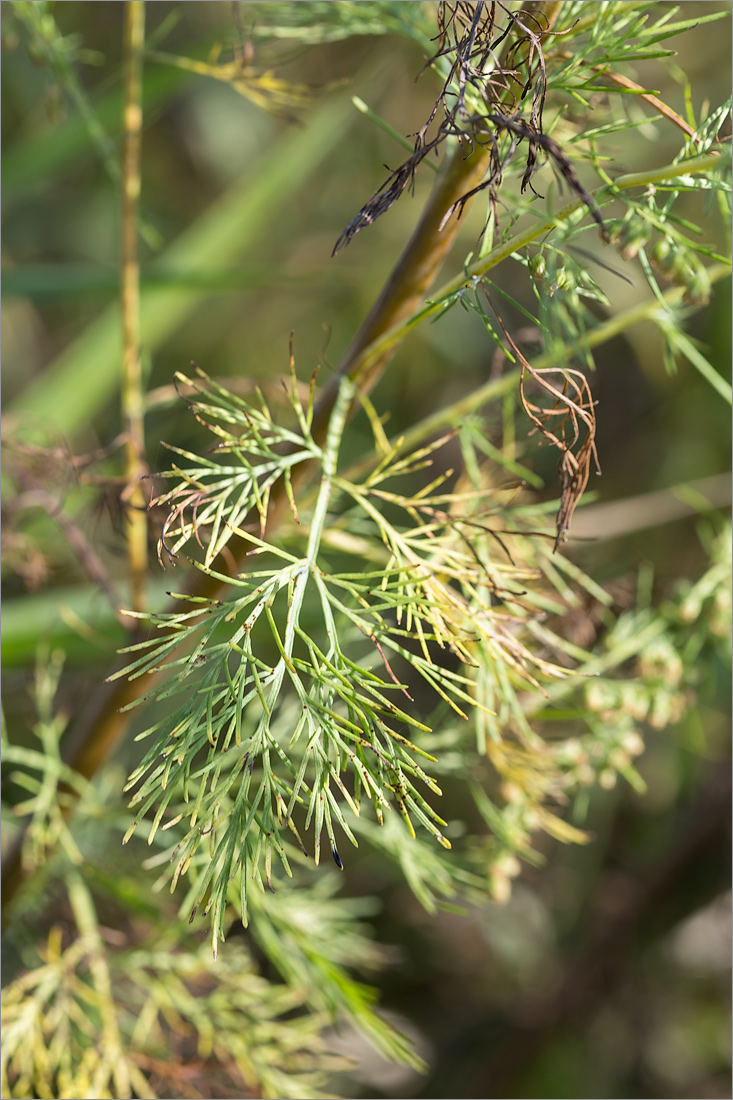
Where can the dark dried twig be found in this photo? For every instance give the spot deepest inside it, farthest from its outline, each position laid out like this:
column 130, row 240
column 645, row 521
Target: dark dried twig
column 469, row 36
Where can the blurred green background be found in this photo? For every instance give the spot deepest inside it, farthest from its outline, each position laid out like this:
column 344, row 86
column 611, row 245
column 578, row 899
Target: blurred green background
column 607, row 973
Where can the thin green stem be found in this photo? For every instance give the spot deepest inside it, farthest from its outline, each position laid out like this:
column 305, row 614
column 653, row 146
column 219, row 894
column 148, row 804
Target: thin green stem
column 309, row 566
column 601, row 334
column 672, row 171
column 40, row 23
column 385, row 126
column 336, row 427
column 379, row 348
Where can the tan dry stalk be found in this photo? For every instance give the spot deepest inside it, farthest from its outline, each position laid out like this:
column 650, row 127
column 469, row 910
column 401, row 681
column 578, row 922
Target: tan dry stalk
column 136, row 525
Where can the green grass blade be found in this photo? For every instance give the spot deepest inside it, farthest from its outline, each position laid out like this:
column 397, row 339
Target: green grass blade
column 86, row 374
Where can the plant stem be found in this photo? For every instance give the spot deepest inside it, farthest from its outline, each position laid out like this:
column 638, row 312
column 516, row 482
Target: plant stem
column 318, row 522
column 136, row 527
column 614, row 519
column 40, row 23
column 653, row 101
column 489, row 391
column 403, row 295
column 375, row 354
column 385, row 126
column 330, row 464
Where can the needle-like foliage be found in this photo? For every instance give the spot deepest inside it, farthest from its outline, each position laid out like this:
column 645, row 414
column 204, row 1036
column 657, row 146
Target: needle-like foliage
column 287, row 707
column 359, row 632
column 304, row 692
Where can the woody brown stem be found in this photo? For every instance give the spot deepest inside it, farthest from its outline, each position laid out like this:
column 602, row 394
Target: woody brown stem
column 419, row 264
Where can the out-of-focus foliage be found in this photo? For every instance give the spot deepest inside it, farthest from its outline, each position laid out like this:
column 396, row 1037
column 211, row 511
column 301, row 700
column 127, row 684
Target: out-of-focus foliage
column 517, row 966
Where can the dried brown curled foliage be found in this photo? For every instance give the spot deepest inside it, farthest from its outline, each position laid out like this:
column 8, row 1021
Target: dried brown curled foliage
column 569, row 423
column 468, row 34
column 210, row 512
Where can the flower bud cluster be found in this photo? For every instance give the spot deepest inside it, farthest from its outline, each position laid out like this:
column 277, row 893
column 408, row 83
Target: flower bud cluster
column 600, row 755
column 683, row 267
column 629, row 234
column 563, row 277
column 656, row 691
column 656, row 696
column 671, row 256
